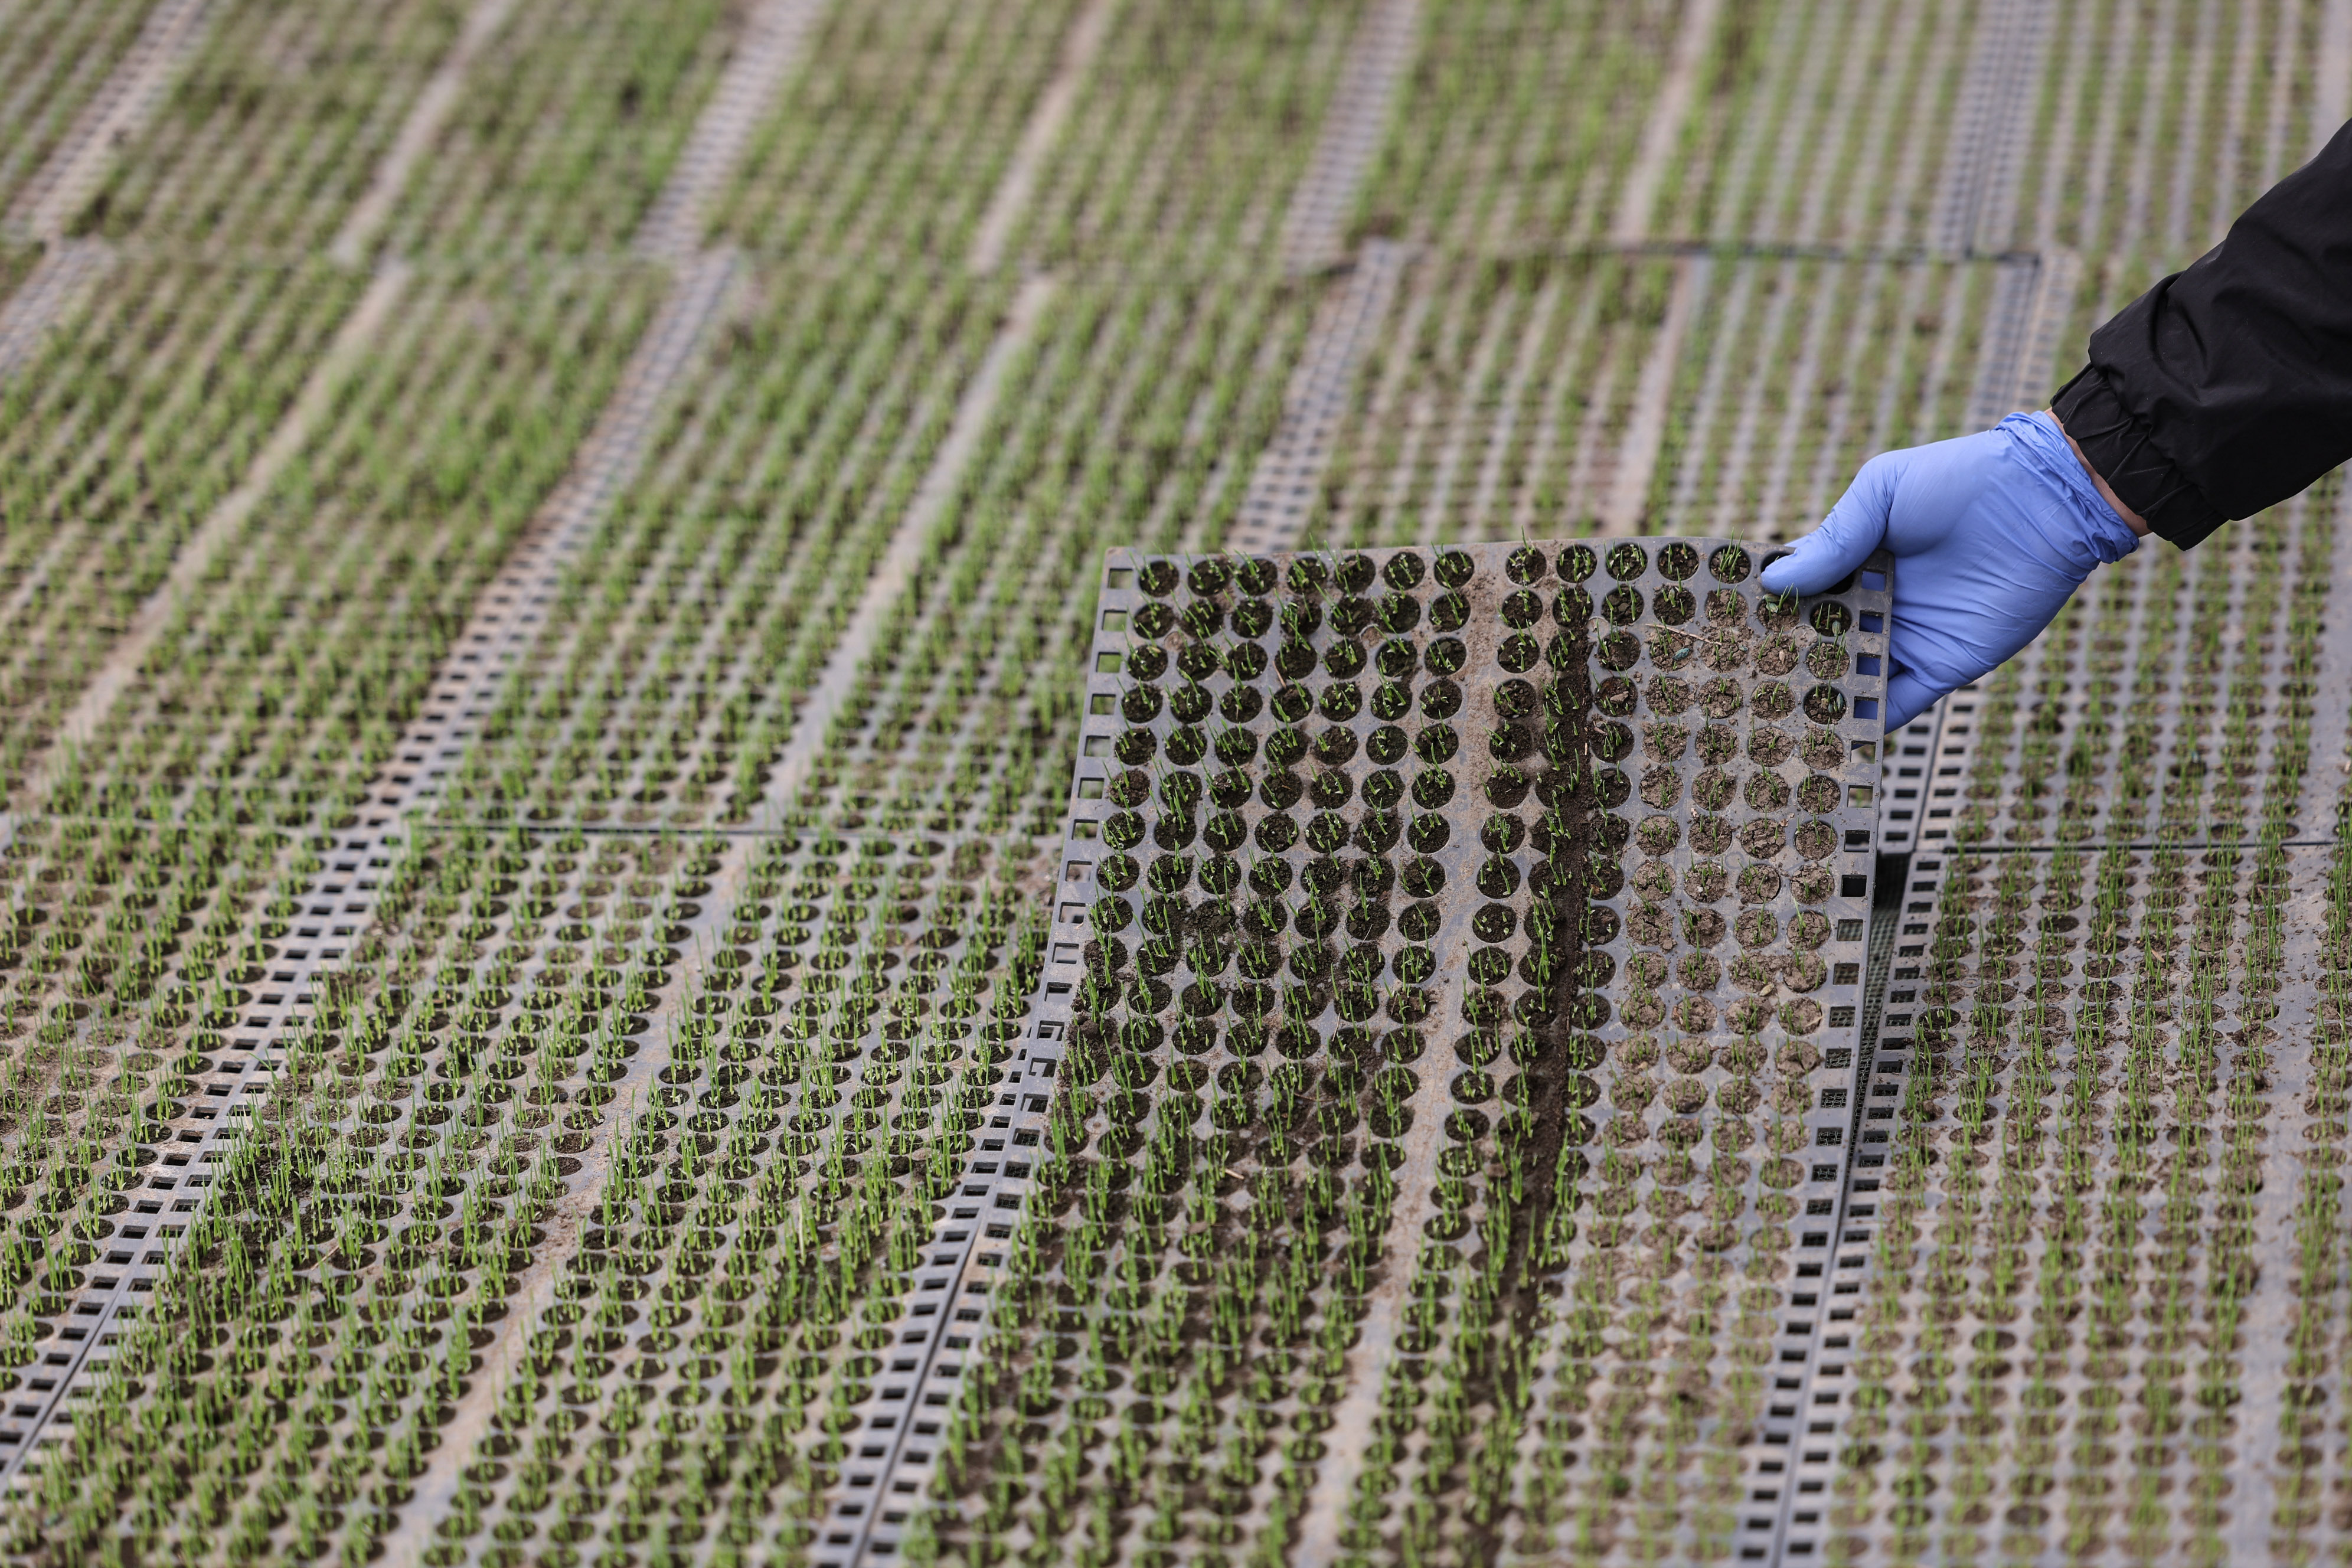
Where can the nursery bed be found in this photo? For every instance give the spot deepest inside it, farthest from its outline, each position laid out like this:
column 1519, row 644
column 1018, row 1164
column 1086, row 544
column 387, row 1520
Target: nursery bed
column 603, row 821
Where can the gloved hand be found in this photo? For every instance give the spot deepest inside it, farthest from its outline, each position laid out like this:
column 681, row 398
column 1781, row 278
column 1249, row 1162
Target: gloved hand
column 1991, row 533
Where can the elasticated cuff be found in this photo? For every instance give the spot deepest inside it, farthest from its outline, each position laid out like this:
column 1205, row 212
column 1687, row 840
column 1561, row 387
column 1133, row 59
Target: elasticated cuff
column 2122, row 451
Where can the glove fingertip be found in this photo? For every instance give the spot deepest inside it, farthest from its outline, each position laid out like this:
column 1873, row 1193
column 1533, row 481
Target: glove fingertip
column 1807, row 566
column 1855, row 526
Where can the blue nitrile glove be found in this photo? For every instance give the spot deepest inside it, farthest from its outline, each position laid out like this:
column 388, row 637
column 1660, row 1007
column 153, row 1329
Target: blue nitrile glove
column 1990, row 534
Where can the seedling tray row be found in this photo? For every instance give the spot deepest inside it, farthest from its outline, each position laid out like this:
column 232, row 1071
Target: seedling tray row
column 323, row 95
column 2039, row 1186
column 1512, row 130
column 1507, row 397
column 62, row 55
column 1187, row 141
column 887, row 1076
column 537, row 161
column 127, row 77
column 2174, row 705
column 119, row 941
column 284, row 741
column 124, row 438
column 935, row 99
column 598, row 728
column 965, row 717
column 467, row 1060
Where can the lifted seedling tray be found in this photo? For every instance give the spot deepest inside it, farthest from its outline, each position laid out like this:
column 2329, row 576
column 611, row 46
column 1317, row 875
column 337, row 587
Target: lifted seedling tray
column 1395, row 883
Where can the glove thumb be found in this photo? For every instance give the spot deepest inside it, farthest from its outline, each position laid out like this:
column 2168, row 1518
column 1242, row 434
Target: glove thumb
column 1907, row 697
column 1854, row 527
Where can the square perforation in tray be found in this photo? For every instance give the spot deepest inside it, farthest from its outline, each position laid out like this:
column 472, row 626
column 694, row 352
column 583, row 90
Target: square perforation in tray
column 1392, row 875
column 1923, row 773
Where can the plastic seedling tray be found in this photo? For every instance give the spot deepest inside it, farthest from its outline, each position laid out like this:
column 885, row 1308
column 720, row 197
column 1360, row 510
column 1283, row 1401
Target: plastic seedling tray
column 823, row 1105
column 1394, row 882
column 2155, row 709
column 2020, row 1088
column 2061, row 945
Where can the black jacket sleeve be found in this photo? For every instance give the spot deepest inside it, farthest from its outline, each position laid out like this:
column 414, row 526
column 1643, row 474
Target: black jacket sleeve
column 2228, row 387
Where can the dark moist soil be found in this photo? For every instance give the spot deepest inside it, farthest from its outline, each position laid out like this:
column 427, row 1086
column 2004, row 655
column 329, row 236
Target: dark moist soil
column 1556, row 719
column 1106, row 1033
